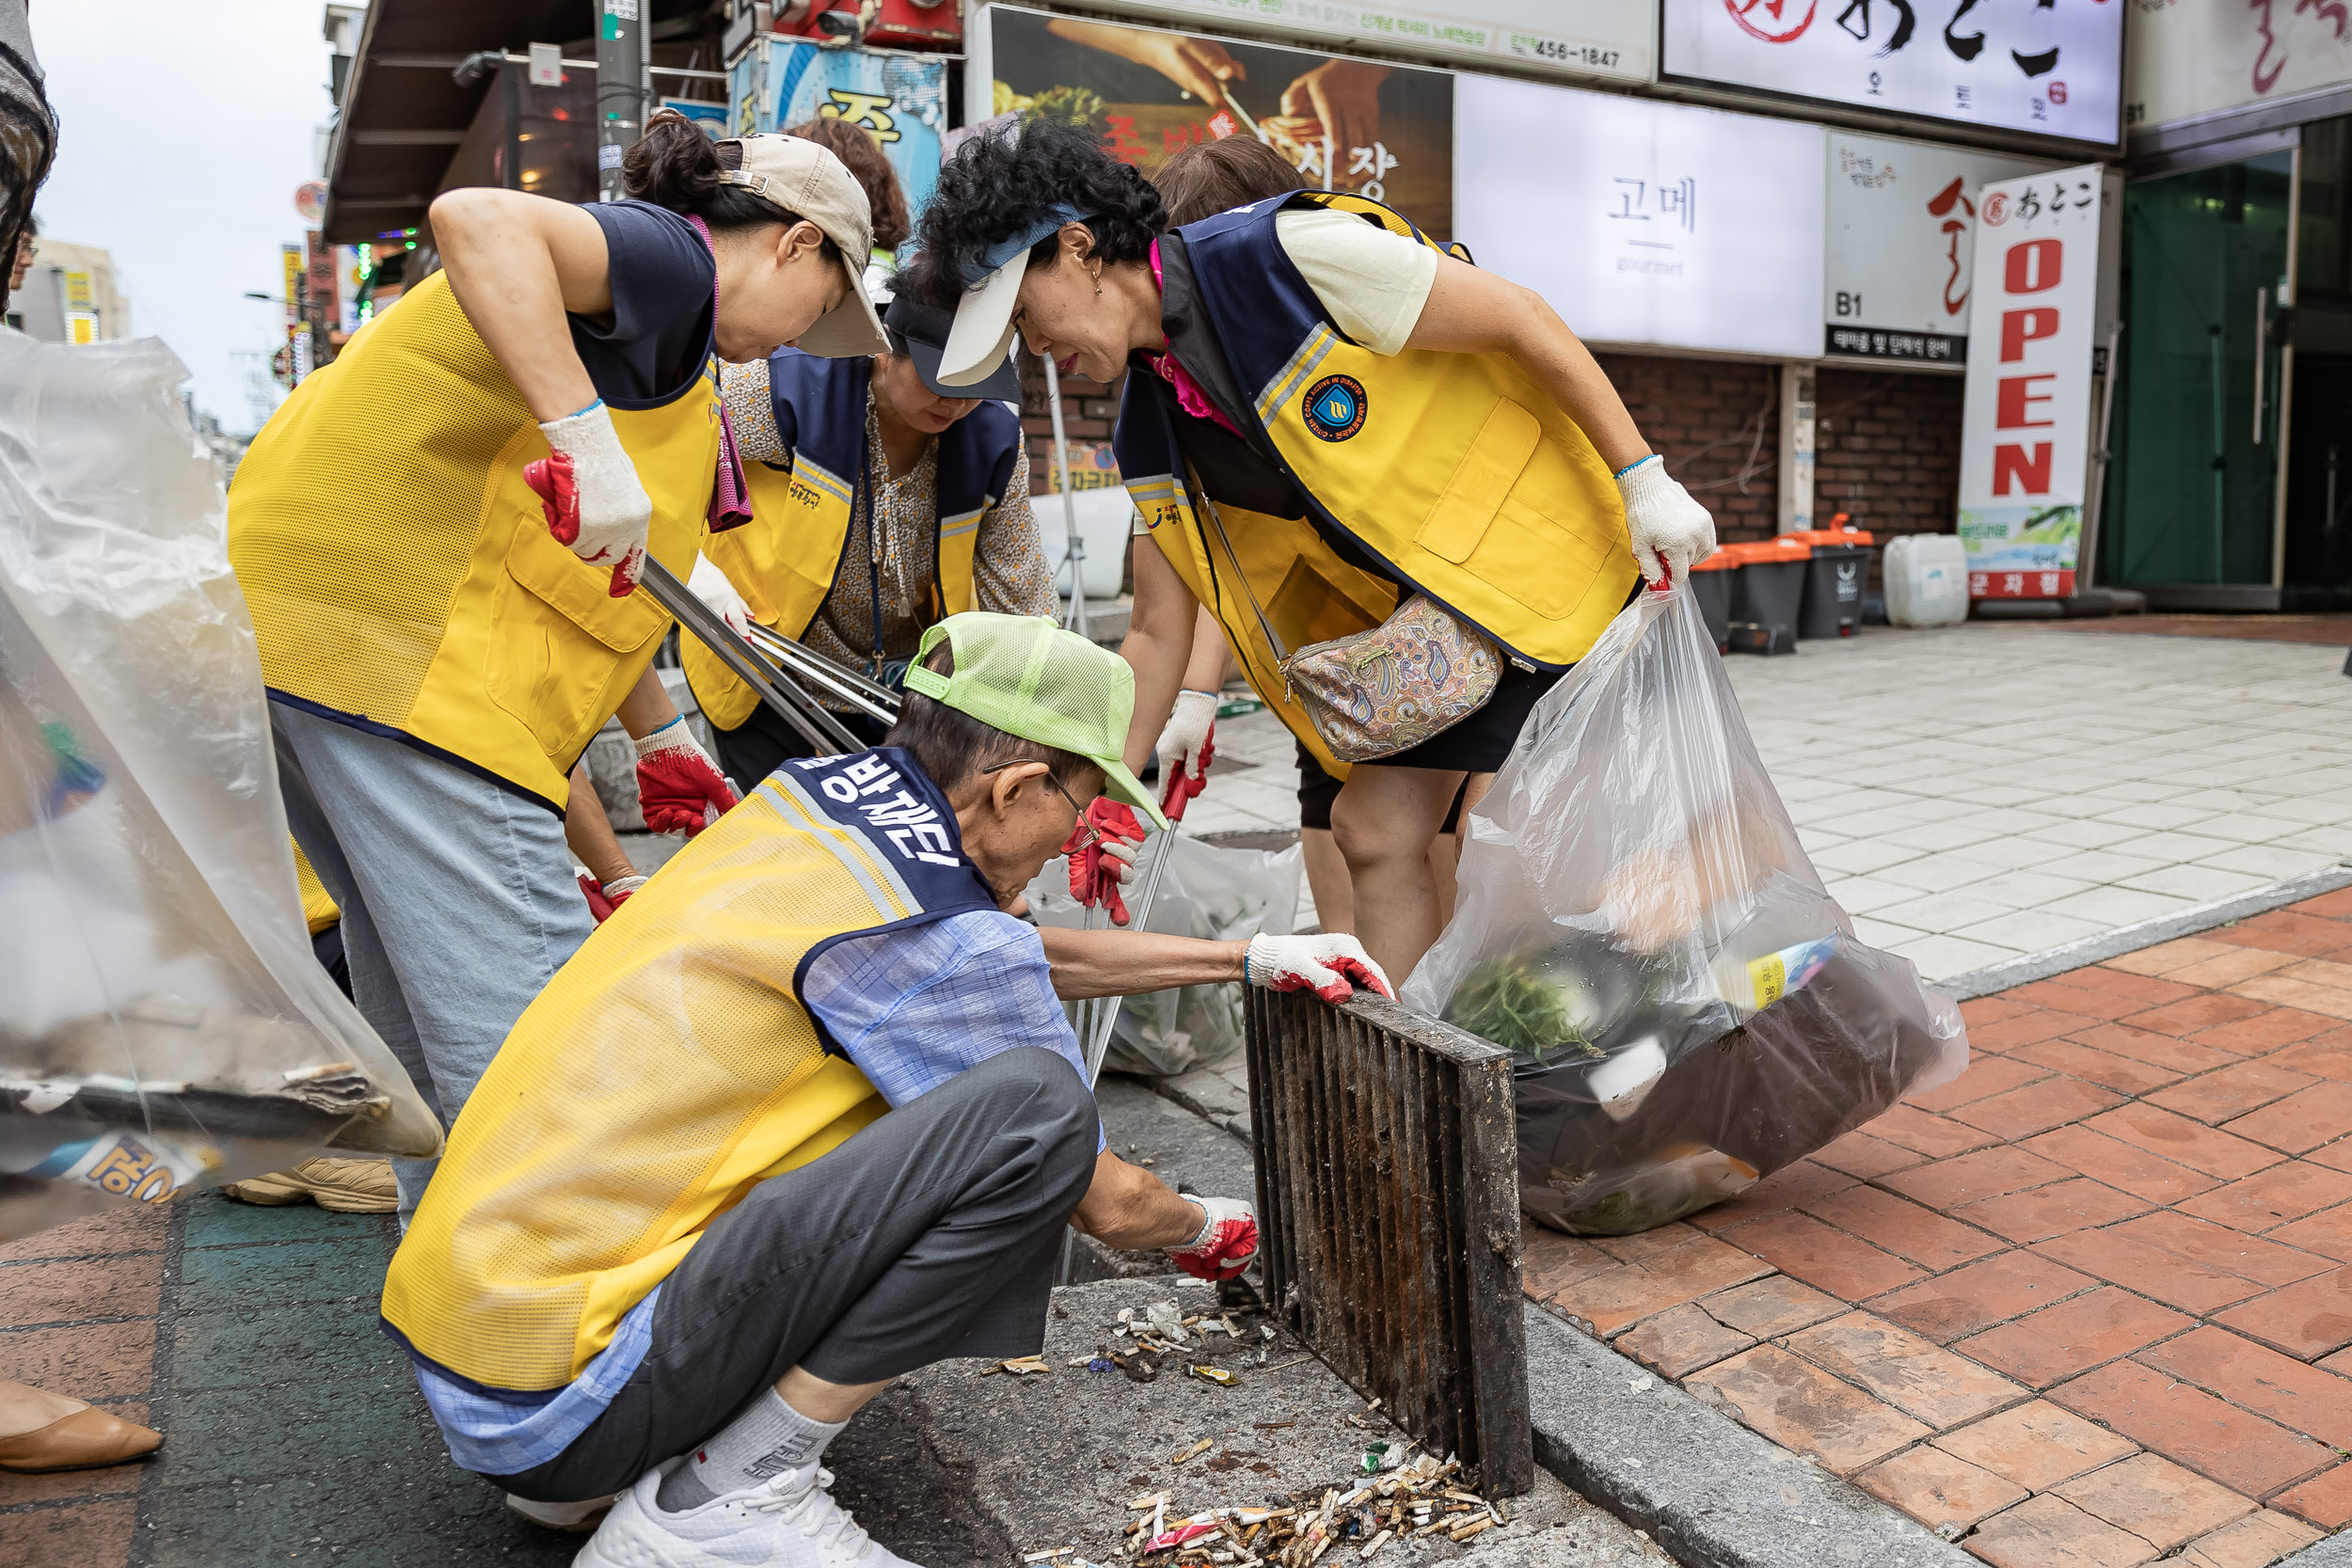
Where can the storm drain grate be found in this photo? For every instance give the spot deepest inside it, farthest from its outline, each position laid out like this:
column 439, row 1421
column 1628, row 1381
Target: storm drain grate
column 1388, row 1213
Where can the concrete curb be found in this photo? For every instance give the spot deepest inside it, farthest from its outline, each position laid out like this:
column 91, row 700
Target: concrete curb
column 2144, row 933
column 2335, row 1551
column 1710, row 1492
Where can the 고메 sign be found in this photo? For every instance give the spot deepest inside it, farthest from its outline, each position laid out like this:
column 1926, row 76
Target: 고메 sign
column 2026, row 428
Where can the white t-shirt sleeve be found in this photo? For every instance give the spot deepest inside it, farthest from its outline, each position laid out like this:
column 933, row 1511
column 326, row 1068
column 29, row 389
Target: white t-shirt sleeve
column 1373, row 282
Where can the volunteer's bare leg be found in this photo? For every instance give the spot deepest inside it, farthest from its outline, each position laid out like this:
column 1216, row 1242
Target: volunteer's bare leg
column 1326, row 879
column 1444, row 851
column 1384, row 821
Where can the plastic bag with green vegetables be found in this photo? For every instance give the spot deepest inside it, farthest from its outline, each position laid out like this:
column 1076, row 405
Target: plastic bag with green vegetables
column 1637, row 924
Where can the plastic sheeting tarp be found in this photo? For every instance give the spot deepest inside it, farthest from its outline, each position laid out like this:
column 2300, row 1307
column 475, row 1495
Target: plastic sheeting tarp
column 162, row 1021
column 1212, row 891
column 1638, row 924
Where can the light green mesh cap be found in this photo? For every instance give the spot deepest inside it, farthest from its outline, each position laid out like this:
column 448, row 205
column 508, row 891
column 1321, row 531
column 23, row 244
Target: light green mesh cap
column 1024, row 675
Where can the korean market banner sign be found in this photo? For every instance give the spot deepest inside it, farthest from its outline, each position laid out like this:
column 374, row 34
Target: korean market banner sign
column 1902, row 243
column 1360, row 126
column 1647, row 223
column 2026, row 422
column 901, row 99
column 2183, row 60
column 1571, row 38
column 2054, row 66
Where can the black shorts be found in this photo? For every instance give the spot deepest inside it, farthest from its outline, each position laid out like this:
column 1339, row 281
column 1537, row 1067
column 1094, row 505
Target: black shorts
column 1479, row 743
column 1318, row 789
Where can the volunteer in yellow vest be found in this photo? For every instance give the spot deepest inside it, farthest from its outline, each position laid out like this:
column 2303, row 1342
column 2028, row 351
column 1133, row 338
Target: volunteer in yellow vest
column 533, row 420
column 804, row 1114
column 879, row 505
column 1368, row 417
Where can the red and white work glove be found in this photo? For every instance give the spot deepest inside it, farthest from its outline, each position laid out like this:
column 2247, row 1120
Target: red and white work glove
column 1322, row 964
column 1098, row 868
column 1226, row 1241
column 1668, row 528
column 711, row 586
column 589, row 490
column 679, row 787
column 1185, row 749
column 604, row 898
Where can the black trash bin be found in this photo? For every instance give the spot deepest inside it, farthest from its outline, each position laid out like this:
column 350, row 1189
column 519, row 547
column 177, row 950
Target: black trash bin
column 1834, row 581
column 1767, row 595
column 1710, row 585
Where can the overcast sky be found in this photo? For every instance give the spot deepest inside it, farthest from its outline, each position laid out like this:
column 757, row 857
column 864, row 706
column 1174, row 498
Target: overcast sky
column 182, row 131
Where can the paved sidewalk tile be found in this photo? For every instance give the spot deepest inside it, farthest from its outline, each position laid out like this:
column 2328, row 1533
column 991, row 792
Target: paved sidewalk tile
column 1957, row 837
column 2091, row 1302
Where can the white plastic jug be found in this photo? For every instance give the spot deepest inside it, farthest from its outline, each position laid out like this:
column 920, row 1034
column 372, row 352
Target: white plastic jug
column 1926, row 580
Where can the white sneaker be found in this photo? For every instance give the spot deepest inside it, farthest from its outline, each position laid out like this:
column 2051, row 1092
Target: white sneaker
column 790, row 1522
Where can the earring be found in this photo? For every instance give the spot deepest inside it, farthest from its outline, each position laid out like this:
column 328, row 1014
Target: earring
column 1097, row 282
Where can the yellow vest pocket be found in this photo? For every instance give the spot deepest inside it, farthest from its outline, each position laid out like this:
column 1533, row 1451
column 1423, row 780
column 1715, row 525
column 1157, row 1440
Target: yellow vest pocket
column 554, row 673
column 1458, row 522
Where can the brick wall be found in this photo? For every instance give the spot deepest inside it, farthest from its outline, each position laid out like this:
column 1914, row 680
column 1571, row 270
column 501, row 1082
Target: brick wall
column 1887, row 450
column 1089, row 410
column 1887, row 441
column 1717, row 423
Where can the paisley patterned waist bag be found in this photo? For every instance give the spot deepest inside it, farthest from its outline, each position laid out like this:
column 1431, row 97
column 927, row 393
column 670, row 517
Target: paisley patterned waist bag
column 1386, row 690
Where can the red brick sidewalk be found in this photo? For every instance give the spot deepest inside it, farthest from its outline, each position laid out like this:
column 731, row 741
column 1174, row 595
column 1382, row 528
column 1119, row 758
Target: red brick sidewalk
column 2086, row 1305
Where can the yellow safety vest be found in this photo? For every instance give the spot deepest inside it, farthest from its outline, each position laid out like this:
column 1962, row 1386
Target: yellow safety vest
column 318, row 909
column 400, row 572
column 784, row 561
column 1457, row 472
column 665, row 1070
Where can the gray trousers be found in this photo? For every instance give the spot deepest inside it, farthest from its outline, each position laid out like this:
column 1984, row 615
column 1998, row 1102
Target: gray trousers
column 932, row 1233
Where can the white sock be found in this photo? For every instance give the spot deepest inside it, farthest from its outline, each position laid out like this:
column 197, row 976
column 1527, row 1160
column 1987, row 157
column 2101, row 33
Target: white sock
column 764, row 1442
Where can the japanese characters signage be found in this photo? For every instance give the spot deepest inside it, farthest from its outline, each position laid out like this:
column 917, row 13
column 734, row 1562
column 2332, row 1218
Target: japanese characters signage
column 1902, row 243
column 1575, row 38
column 1361, row 126
column 1651, row 223
column 2026, row 427
column 900, row 99
column 2183, row 60
column 2054, row 66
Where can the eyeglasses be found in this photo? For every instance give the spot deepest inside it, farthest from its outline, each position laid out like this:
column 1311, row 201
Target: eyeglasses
column 1093, row 835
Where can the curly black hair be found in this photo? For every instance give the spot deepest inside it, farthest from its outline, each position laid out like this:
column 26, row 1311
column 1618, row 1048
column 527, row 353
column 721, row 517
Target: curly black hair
column 996, row 185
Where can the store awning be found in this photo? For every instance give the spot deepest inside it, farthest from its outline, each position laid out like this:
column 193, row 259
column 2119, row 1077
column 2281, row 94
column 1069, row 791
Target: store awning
column 403, row 114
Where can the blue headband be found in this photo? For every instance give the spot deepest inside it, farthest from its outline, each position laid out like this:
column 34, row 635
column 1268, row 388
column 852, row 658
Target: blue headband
column 1022, row 239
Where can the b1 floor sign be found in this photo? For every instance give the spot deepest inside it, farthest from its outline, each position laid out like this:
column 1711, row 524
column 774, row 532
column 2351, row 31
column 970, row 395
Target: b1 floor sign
column 2026, row 432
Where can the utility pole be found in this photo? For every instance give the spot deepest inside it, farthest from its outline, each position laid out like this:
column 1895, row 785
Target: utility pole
column 620, row 88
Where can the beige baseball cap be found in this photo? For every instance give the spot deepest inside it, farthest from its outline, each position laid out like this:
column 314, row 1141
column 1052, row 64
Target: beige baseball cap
column 808, row 182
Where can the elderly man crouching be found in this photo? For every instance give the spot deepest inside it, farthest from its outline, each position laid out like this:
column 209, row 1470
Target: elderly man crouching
column 803, row 1116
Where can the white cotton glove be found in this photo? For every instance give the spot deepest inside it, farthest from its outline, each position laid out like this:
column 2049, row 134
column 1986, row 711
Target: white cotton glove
column 1666, row 526
column 711, row 586
column 1322, row 964
column 594, row 502
column 1228, row 1239
column 1185, row 748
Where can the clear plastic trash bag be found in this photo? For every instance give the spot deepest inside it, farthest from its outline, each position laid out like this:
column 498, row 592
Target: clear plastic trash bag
column 1213, row 892
column 1638, row 924
column 162, row 1021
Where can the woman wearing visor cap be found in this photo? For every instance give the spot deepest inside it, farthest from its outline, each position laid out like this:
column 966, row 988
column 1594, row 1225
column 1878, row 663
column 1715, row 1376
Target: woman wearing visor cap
column 1365, row 419
column 440, row 537
column 881, row 503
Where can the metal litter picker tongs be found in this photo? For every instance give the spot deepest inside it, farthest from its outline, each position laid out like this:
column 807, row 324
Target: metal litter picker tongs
column 781, row 678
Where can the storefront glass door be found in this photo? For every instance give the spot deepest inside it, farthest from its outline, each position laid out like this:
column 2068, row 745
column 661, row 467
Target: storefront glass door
column 2197, row 448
